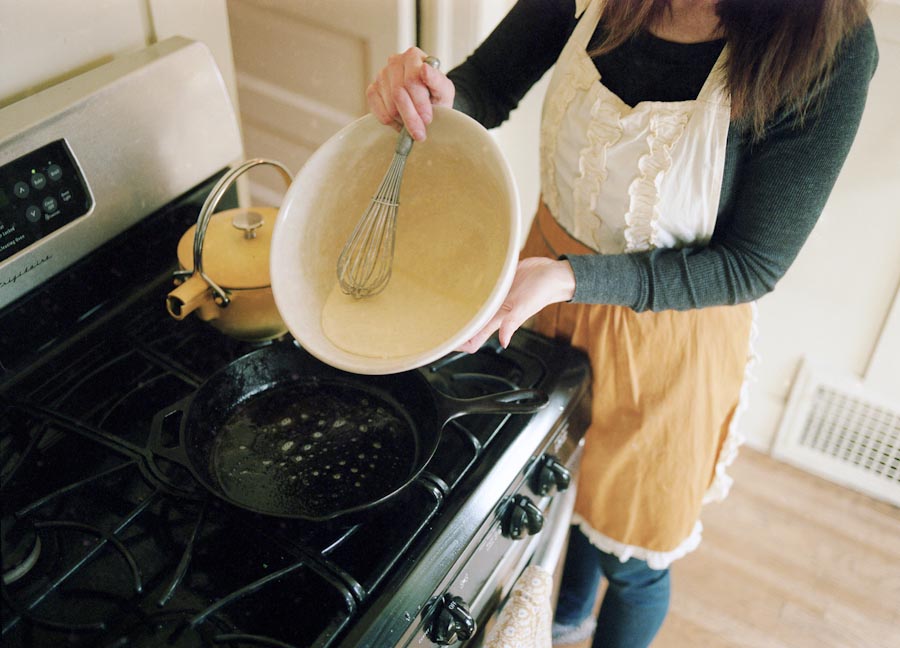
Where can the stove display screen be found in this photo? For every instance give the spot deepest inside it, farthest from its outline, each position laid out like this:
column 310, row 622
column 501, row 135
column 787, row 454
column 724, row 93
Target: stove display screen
column 39, row 193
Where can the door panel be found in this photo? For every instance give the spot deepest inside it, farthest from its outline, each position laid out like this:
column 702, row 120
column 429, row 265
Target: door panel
column 302, row 70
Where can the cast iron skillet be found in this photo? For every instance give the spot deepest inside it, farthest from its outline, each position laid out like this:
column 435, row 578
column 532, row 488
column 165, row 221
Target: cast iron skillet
column 280, row 433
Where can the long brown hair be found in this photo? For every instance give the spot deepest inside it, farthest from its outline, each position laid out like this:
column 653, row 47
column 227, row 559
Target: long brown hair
column 780, row 52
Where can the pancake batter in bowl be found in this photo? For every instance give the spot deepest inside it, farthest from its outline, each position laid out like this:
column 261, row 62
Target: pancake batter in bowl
column 449, row 253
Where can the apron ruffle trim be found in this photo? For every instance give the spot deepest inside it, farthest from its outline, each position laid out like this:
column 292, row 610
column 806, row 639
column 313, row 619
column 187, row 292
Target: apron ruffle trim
column 575, row 79
column 666, row 128
column 604, row 131
column 721, row 484
column 654, row 559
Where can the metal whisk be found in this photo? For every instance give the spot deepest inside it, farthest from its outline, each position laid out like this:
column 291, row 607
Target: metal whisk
column 364, row 266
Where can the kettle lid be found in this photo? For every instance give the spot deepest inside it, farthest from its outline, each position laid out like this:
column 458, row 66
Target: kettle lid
column 235, row 249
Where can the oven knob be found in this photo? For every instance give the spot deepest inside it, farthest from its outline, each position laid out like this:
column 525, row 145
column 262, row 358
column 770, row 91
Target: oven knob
column 549, row 473
column 521, row 517
column 450, row 621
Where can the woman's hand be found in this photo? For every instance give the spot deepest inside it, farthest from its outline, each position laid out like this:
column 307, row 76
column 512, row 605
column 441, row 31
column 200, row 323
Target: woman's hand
column 404, row 91
column 539, row 282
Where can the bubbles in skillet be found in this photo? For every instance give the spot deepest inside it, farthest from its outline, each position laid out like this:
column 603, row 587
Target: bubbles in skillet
column 313, row 450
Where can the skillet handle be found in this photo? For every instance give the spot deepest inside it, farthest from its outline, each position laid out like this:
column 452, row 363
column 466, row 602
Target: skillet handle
column 163, row 420
column 517, row 401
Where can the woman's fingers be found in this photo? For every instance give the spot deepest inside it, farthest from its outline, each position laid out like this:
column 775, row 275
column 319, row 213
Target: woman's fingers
column 378, row 108
column 406, row 89
column 419, row 96
column 397, row 92
column 538, row 283
column 477, row 340
column 439, row 86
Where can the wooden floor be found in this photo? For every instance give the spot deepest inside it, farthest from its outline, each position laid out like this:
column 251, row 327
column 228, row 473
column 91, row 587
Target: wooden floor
column 788, row 560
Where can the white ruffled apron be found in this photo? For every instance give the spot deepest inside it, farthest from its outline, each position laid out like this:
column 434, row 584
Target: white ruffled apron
column 667, row 386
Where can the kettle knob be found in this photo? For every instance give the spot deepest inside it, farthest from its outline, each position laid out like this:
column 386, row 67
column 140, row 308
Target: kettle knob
column 248, row 221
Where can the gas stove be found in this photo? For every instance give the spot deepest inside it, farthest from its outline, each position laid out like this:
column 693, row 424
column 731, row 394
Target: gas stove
column 103, row 545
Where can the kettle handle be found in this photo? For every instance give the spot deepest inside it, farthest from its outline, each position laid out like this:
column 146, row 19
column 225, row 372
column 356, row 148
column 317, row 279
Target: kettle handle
column 209, row 206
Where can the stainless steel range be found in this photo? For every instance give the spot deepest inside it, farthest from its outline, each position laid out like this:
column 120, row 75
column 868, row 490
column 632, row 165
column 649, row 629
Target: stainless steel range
column 107, row 544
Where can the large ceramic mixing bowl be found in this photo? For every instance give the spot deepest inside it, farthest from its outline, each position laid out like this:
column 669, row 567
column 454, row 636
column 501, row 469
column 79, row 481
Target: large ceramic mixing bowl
column 458, row 229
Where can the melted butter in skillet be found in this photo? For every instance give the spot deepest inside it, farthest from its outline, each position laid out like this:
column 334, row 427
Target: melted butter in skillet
column 311, row 450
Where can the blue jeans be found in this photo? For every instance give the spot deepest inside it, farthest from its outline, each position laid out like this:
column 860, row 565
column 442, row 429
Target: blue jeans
column 635, row 602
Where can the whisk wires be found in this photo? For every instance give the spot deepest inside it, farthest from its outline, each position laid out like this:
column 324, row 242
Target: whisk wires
column 364, row 266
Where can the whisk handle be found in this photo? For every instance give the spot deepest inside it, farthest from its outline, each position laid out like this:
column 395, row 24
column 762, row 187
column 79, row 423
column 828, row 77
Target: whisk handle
column 404, row 144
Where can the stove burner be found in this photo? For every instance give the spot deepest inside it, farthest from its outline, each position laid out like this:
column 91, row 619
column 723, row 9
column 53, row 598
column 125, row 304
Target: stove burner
column 103, row 537
column 172, row 628
column 21, row 548
column 17, row 442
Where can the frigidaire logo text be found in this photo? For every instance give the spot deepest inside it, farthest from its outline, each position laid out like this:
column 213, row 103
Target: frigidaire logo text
column 31, row 266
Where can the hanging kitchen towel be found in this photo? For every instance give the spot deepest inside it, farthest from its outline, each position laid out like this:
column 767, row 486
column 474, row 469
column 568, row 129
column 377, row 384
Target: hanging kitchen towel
column 525, row 620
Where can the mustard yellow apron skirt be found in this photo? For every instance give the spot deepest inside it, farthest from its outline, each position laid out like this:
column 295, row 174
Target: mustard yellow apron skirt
column 665, row 388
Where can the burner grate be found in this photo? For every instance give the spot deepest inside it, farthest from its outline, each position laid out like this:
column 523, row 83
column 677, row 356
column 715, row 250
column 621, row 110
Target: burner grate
column 135, row 553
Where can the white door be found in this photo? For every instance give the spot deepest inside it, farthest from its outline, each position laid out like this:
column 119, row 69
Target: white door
column 451, row 30
column 302, row 70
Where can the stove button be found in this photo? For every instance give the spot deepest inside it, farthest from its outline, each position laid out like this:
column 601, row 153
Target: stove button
column 21, row 190
column 49, row 204
column 521, row 517
column 33, row 213
column 549, row 472
column 38, row 180
column 54, row 172
column 451, row 621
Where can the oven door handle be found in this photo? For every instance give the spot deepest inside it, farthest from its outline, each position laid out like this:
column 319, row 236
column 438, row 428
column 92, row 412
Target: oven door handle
column 549, row 552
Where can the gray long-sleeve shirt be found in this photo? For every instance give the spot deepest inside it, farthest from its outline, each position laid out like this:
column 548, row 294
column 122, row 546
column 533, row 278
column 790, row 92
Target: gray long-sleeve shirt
column 773, row 190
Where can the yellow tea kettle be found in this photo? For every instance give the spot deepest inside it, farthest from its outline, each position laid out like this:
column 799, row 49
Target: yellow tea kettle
column 224, row 261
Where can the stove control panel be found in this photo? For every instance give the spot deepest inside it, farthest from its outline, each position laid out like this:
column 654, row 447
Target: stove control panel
column 39, row 192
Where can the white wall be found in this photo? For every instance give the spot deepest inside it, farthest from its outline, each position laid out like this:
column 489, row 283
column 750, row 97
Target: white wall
column 833, row 304
column 43, row 42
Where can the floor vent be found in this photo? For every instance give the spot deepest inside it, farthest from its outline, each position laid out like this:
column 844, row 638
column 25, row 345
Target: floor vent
column 836, row 430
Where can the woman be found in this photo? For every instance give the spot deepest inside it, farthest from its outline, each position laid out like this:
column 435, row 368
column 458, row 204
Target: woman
column 687, row 149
